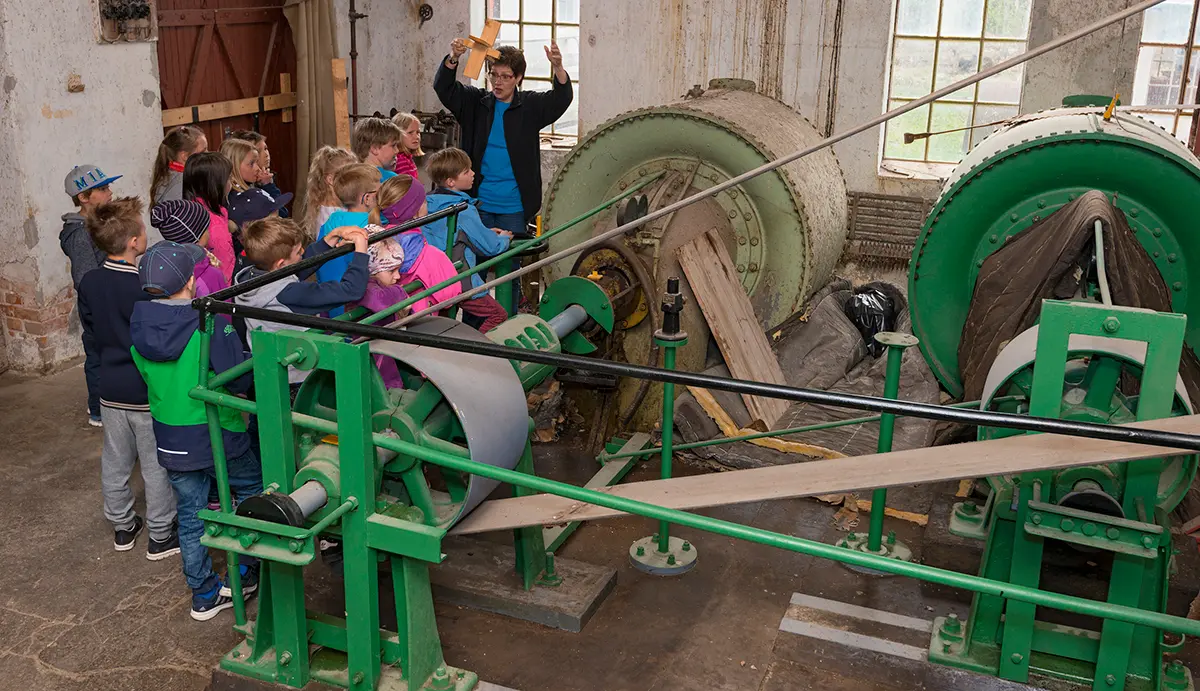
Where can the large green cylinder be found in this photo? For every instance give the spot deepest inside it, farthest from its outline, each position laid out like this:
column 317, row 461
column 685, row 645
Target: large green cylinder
column 1029, row 169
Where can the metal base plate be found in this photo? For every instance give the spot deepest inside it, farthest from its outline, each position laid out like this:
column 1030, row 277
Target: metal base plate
column 890, row 547
column 679, row 558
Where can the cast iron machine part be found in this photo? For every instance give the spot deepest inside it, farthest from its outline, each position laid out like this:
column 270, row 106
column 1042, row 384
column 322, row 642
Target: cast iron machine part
column 1105, row 365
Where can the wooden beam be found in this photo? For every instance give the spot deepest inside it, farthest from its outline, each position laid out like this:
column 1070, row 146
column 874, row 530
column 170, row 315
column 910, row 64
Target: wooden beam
column 341, row 103
column 285, row 86
column 1019, row 454
column 227, row 109
column 718, row 288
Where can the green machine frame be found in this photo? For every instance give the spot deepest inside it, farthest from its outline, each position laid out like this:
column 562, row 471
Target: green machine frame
column 1007, row 639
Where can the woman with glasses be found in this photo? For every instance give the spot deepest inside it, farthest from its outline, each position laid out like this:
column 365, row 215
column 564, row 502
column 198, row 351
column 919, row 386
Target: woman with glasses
column 500, row 131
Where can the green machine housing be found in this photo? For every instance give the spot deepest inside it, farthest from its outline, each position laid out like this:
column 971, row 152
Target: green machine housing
column 1083, row 361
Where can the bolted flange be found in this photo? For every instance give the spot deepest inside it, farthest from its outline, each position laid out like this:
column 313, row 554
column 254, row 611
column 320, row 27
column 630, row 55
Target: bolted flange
column 889, row 547
column 679, row 558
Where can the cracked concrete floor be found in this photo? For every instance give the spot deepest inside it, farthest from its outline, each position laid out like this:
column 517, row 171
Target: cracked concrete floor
column 74, row 613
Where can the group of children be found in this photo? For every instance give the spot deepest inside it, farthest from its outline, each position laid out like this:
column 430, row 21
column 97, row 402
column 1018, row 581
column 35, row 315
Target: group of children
column 223, row 223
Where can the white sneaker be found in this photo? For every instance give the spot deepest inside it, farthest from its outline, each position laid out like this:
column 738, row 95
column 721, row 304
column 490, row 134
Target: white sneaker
column 94, row 421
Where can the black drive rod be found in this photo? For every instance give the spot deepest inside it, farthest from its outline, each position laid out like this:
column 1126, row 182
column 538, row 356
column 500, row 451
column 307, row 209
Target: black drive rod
column 305, row 264
column 923, row 410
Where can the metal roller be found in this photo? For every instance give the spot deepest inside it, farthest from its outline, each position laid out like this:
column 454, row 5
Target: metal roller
column 484, row 394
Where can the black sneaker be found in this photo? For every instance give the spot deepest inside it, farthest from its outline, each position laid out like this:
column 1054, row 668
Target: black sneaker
column 161, row 549
column 123, row 539
column 249, row 582
column 205, row 606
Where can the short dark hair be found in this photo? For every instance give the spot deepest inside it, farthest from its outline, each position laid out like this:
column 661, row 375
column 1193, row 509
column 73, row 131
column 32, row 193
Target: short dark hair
column 204, row 178
column 446, row 164
column 112, row 225
column 511, row 57
column 247, row 136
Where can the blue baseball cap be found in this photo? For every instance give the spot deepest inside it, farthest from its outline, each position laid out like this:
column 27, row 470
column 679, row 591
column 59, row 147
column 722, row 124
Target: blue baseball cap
column 86, row 177
column 254, row 204
column 166, row 267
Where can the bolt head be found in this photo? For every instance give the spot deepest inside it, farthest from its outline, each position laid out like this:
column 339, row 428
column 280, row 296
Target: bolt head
column 1147, row 542
column 1067, row 525
column 1177, row 286
column 687, row 547
column 641, row 551
column 213, row 529
column 1110, row 680
column 670, row 559
column 1017, row 658
column 1112, row 533
column 295, row 546
column 1089, row 529
column 1036, row 519
column 1112, row 325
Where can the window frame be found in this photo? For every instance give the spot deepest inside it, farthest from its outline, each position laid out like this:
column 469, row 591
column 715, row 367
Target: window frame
column 1191, row 54
column 553, row 25
column 925, row 166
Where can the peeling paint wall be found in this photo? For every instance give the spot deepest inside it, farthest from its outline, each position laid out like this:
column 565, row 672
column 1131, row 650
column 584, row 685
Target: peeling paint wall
column 44, row 132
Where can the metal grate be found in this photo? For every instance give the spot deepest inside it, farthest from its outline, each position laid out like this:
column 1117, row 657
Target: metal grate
column 884, row 228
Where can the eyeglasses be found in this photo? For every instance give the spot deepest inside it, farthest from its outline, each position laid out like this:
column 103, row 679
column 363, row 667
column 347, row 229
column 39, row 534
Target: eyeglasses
column 501, row 77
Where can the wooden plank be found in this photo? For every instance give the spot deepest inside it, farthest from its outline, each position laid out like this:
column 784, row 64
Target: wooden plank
column 227, row 109
column 199, row 56
column 285, row 86
column 718, row 289
column 341, row 103
column 610, row 474
column 1019, row 454
column 730, row 429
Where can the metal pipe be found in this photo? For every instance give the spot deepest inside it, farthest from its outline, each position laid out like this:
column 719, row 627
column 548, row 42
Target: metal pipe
column 1028, row 423
column 1101, row 272
column 568, row 320
column 313, row 262
column 1155, row 620
column 355, row 15
column 512, row 252
column 815, row 427
column 310, row 497
column 767, row 167
column 887, row 424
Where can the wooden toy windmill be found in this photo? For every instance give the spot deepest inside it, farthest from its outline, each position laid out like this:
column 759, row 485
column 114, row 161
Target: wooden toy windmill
column 481, row 48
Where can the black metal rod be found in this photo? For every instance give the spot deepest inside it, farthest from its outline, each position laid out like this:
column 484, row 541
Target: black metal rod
column 305, row 264
column 922, row 410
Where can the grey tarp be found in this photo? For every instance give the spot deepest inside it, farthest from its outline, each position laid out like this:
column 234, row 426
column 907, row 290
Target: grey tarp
column 820, row 349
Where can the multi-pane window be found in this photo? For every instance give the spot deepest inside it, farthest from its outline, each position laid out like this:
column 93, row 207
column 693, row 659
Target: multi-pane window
column 936, row 43
column 1162, row 58
column 531, row 25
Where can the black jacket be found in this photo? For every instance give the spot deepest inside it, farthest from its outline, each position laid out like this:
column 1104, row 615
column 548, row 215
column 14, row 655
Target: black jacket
column 79, row 248
column 107, row 296
column 529, row 114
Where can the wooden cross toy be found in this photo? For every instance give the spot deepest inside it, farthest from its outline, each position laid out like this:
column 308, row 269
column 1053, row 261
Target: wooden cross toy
column 481, row 48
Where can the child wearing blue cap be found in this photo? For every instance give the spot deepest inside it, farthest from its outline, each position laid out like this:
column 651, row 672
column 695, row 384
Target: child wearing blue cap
column 166, row 349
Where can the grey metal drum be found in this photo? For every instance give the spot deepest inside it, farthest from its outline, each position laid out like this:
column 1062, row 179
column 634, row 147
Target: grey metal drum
column 484, row 393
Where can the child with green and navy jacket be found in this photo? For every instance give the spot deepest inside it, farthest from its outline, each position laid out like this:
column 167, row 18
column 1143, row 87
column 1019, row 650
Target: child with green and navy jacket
column 166, row 349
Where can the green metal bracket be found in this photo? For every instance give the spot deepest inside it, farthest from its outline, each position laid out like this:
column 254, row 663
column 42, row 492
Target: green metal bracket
column 1094, row 530
column 967, row 519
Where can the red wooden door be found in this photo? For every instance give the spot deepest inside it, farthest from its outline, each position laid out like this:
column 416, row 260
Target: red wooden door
column 211, row 51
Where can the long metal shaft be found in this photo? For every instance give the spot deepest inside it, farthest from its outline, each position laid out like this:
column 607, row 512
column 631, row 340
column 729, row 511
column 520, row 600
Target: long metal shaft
column 704, row 381
column 1043, row 598
column 768, row 167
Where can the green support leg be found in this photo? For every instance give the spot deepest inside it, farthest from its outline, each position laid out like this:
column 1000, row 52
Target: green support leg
column 528, row 543
column 361, row 563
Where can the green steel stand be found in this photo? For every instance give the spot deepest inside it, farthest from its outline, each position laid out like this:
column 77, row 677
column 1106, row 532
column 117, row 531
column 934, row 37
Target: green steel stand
column 661, row 554
column 873, row 541
column 1005, row 638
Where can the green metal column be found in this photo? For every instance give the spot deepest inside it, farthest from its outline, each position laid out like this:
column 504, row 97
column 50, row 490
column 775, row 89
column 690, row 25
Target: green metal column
column 361, row 562
column 661, row 554
column 528, row 543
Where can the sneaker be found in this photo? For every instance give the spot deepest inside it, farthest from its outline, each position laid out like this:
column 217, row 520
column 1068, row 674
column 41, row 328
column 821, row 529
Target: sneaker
column 249, row 582
column 161, row 549
column 94, row 420
column 205, row 606
column 123, row 539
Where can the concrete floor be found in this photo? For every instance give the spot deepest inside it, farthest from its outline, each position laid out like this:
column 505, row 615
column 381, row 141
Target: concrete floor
column 74, row 614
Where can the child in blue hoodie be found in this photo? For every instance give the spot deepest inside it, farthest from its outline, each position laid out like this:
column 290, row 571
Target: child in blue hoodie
column 452, row 179
column 166, row 350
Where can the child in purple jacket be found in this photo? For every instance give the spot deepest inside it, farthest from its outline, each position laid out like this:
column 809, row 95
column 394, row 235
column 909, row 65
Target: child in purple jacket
column 186, row 222
column 383, row 290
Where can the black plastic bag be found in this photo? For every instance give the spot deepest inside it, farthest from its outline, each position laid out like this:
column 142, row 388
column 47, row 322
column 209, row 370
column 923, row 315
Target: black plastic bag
column 872, row 311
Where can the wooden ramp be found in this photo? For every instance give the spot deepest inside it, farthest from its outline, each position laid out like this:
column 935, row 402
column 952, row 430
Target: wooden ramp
column 957, row 461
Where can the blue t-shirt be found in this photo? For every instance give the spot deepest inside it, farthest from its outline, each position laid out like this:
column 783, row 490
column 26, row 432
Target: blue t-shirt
column 384, row 174
column 498, row 192
column 333, row 269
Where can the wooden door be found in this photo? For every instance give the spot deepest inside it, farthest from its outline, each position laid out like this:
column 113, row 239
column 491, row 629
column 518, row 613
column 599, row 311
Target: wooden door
column 215, row 51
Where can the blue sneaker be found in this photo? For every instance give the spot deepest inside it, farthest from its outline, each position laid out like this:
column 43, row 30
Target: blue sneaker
column 205, row 606
column 249, row 582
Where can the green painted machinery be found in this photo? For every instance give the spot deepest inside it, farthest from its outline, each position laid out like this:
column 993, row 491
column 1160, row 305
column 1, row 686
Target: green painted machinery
column 1084, row 361
column 784, row 230
column 1028, row 169
column 319, row 463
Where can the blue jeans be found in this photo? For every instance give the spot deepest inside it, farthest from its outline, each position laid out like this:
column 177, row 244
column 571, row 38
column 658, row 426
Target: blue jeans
column 515, row 224
column 191, row 494
column 91, row 373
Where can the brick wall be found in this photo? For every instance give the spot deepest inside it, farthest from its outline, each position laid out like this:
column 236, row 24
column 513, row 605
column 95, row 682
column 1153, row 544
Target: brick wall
column 40, row 333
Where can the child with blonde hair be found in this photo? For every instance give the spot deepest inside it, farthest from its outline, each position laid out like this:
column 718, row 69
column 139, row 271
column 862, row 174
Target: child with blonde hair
column 243, row 156
column 410, row 144
column 320, row 200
